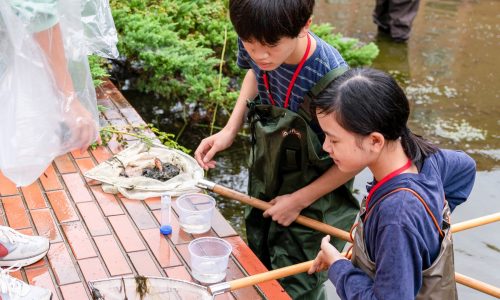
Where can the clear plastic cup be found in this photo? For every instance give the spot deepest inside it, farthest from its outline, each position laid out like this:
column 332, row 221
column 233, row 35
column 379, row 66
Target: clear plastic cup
column 209, row 258
column 195, row 212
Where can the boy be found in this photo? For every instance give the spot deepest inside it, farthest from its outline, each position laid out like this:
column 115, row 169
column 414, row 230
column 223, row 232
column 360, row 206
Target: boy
column 287, row 168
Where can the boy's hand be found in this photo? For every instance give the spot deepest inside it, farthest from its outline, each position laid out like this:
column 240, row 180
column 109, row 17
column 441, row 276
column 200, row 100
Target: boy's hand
column 285, row 209
column 210, row 146
column 82, row 127
column 326, row 257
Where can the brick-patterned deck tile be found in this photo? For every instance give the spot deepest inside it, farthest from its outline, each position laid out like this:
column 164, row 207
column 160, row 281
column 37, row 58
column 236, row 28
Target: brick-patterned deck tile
column 153, row 203
column 34, row 196
column 221, row 226
column 77, row 188
column 251, row 264
column 101, row 154
column 62, row 206
column 93, row 218
column 86, row 164
column 62, row 265
column 111, row 113
column 45, row 225
column 107, row 202
column 132, row 116
column 178, row 235
column 139, row 213
column 77, row 154
column 102, row 98
column 17, row 274
column 41, row 277
column 160, row 247
column 16, row 212
column 74, row 291
column 7, row 187
column 179, row 272
column 64, row 164
column 49, row 179
column 78, row 240
column 126, row 233
column 92, row 269
column 144, row 264
column 112, row 255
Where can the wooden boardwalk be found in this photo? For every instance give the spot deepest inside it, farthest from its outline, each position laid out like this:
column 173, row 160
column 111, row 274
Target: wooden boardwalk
column 94, row 235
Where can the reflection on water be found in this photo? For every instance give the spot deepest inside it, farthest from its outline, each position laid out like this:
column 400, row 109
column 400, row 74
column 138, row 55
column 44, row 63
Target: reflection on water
column 450, row 71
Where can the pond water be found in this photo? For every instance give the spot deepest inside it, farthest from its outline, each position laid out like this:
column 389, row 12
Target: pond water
column 450, row 71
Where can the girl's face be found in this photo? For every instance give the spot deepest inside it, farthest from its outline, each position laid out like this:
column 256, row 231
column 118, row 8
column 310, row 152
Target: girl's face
column 270, row 57
column 349, row 151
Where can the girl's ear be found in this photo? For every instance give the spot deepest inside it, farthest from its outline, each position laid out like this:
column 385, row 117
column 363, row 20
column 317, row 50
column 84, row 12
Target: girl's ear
column 376, row 142
column 305, row 29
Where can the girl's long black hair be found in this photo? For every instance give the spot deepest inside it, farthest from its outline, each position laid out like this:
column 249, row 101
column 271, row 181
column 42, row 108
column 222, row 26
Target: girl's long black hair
column 365, row 100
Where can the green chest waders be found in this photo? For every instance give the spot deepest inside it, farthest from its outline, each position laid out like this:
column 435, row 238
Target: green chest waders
column 286, row 155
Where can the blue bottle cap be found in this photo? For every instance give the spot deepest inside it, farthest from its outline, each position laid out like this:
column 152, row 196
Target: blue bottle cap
column 166, row 229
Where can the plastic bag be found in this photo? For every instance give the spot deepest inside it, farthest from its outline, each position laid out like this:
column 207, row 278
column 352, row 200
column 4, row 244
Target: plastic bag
column 47, row 102
column 99, row 28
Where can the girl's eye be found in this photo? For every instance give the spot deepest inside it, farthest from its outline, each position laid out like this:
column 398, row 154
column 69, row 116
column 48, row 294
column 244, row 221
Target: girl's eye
column 333, row 141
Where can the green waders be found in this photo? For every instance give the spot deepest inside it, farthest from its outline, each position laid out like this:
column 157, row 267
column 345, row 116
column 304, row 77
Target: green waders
column 287, row 155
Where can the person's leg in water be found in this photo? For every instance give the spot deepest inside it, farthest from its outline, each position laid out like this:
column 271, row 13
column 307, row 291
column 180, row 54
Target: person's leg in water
column 395, row 17
column 16, row 251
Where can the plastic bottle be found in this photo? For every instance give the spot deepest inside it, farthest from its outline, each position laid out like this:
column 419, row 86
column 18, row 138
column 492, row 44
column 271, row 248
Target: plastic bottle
column 166, row 204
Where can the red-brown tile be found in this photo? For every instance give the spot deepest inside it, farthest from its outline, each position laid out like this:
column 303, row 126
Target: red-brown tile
column 112, row 114
column 41, row 277
column 160, row 248
column 34, row 196
column 17, row 274
column 144, row 264
column 252, row 265
column 112, row 255
column 126, row 233
column 62, row 206
column 153, row 203
column 7, row 187
column 74, row 291
column 101, row 154
column 77, row 154
column 93, row 219
column 107, row 202
column 234, row 272
column 86, row 164
column 45, row 224
column 139, row 213
column 221, row 227
column 92, row 269
column 179, row 272
column 62, row 265
column 16, row 212
column 64, row 164
column 77, row 188
column 49, row 179
column 78, row 240
column 132, row 116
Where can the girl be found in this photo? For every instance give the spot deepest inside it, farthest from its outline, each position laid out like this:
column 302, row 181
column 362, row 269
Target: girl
column 402, row 245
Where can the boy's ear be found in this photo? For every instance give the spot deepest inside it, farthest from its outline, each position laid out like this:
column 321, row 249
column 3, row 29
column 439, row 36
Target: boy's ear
column 305, row 29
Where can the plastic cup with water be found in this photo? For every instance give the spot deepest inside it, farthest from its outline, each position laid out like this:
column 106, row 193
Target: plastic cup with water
column 209, row 259
column 195, row 212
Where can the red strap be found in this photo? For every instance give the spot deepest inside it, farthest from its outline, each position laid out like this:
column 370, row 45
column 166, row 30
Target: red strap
column 385, row 179
column 294, row 77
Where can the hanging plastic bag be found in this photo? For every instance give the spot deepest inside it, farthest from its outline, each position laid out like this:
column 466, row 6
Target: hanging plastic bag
column 42, row 113
column 99, row 28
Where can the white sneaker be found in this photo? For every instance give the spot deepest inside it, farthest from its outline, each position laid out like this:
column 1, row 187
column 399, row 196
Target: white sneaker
column 22, row 249
column 14, row 289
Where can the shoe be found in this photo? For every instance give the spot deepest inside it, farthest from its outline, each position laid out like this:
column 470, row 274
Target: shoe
column 21, row 250
column 14, row 289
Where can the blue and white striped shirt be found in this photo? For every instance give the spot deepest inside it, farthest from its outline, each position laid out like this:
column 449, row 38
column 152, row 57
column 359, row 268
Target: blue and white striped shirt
column 324, row 59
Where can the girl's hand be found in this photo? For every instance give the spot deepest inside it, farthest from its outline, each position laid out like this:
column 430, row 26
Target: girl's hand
column 285, row 209
column 326, row 257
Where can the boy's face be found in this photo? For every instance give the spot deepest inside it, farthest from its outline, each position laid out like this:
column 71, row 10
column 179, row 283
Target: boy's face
column 270, row 57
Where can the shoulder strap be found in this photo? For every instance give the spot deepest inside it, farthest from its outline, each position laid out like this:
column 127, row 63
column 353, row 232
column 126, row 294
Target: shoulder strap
column 318, row 88
column 429, row 212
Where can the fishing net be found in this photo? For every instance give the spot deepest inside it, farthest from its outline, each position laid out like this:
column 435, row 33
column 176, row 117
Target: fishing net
column 141, row 172
column 147, row 288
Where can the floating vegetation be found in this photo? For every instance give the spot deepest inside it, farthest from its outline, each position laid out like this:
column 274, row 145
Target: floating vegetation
column 457, row 131
column 422, row 93
column 490, row 153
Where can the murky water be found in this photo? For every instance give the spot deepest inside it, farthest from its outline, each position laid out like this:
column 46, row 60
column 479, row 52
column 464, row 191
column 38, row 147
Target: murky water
column 450, row 71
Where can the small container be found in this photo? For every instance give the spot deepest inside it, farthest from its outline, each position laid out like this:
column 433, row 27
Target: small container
column 166, row 204
column 195, row 212
column 209, row 258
